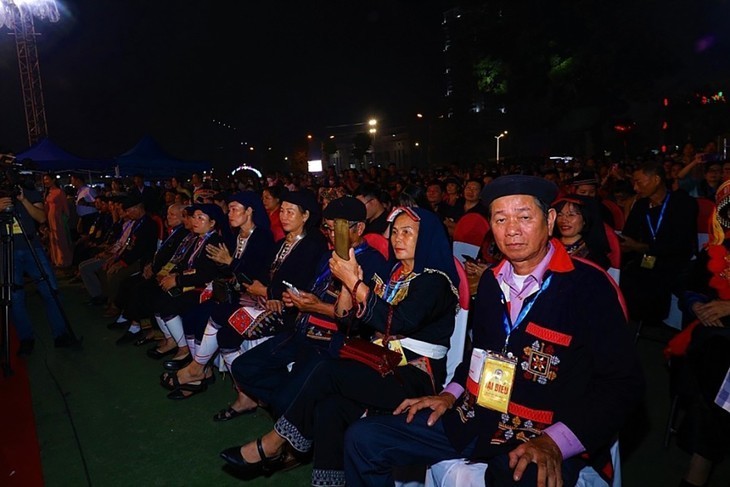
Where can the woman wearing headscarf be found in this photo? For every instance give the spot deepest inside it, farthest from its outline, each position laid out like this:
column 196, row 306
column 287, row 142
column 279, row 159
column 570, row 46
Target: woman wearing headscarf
column 704, row 346
column 417, row 301
column 261, row 313
column 184, row 285
column 580, row 229
column 248, row 260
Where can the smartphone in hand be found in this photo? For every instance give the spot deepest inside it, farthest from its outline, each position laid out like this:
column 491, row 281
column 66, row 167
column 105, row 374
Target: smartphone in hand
column 243, row 279
column 469, row 258
column 292, row 288
column 342, row 238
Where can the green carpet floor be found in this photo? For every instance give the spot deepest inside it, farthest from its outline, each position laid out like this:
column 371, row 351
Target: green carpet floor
column 104, row 420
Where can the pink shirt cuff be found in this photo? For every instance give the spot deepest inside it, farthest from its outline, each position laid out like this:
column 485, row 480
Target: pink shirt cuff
column 568, row 443
column 455, row 389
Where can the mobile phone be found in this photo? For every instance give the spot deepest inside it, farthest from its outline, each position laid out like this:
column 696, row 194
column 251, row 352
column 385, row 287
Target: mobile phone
column 174, row 292
column 244, row 279
column 469, row 258
column 292, row 288
column 342, row 238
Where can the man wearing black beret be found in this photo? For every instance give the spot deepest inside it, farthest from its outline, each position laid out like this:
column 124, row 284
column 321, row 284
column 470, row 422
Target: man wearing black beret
column 552, row 376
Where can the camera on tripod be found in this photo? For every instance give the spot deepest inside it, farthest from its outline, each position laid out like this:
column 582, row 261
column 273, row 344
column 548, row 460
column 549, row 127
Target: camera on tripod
column 10, row 178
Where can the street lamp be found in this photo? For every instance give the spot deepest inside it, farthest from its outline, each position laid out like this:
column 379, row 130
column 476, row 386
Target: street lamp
column 499, row 137
column 372, row 123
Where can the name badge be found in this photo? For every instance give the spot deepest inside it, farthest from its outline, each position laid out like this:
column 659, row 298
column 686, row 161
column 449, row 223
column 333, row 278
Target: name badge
column 496, row 381
column 166, row 270
column 16, row 227
column 648, row 261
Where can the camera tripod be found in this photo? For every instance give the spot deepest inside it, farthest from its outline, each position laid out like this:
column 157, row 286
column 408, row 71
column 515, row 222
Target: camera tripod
column 11, row 225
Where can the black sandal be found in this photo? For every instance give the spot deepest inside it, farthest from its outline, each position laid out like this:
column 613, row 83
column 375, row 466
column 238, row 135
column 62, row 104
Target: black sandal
column 266, row 465
column 169, row 380
column 229, row 413
column 191, row 387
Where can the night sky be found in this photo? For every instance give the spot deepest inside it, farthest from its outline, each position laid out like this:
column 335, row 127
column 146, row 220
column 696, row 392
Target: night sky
column 113, row 71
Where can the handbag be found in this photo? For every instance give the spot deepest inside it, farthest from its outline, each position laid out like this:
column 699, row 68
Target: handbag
column 224, row 292
column 379, row 358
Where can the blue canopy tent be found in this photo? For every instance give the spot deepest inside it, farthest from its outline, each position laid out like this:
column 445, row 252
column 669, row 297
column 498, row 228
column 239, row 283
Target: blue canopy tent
column 148, row 158
column 47, row 156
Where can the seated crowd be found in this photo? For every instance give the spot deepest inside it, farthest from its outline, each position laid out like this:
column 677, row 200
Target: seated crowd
column 245, row 278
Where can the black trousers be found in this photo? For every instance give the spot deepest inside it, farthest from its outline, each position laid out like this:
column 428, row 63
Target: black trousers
column 336, row 394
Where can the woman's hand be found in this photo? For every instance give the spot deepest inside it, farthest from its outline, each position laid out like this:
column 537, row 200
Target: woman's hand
column 710, row 314
column 306, row 302
column 219, row 253
column 275, row 305
column 256, row 289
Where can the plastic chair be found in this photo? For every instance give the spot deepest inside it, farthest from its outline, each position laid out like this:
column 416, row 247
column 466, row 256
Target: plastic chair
column 413, row 475
column 459, row 472
column 704, row 216
column 469, row 233
column 455, row 354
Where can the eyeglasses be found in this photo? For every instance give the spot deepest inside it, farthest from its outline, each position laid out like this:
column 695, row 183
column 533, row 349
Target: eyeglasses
column 202, row 218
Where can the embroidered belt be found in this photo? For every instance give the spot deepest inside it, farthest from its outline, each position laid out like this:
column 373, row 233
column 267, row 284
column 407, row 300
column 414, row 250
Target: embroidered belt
column 537, row 415
column 424, row 348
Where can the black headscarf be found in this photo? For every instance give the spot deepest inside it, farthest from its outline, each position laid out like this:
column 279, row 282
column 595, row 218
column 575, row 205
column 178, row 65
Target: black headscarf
column 433, row 250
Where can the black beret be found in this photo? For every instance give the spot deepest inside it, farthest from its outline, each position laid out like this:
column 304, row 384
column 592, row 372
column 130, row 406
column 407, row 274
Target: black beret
column 130, row 201
column 346, row 207
column 542, row 189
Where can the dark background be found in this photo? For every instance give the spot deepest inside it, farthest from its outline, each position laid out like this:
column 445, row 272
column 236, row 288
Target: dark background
column 209, row 80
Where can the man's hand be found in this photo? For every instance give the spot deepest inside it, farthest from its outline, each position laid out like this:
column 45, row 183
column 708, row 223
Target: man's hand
column 710, row 314
column 543, row 452
column 5, row 202
column 628, row 244
column 438, row 404
column 168, row 282
column 114, row 268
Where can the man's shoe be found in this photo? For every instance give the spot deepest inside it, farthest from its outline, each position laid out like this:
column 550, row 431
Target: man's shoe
column 128, row 337
column 26, row 347
column 63, row 341
column 118, row 325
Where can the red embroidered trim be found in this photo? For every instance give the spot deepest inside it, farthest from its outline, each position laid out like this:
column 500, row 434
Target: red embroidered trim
column 537, row 415
column 548, row 335
column 328, row 325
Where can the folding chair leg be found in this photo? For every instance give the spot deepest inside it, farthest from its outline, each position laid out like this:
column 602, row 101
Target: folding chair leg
column 638, row 331
column 670, row 430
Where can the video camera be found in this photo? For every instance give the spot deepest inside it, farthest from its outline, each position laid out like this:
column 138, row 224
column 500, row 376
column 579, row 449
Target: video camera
column 10, row 176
